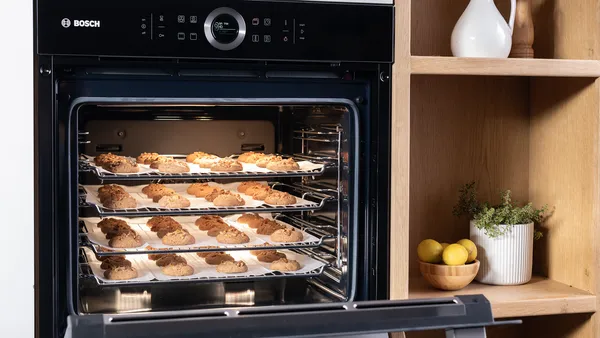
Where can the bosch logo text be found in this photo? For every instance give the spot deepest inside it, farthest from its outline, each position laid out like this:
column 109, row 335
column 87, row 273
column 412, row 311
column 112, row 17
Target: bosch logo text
column 81, row 23
column 86, row 23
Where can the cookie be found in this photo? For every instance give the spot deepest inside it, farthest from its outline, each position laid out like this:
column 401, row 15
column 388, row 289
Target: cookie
column 103, row 159
column 259, row 194
column 151, row 189
column 207, row 161
column 285, row 264
column 216, row 258
column 160, row 221
column 173, row 167
column 228, row 199
column 255, row 188
column 276, row 197
column 174, row 202
column 250, row 157
column 287, row 235
column 109, row 223
column 203, row 254
column 113, row 228
column 177, row 270
column 178, row 237
column 262, row 162
column 270, row 256
column 208, row 222
column 268, row 226
column 214, row 194
column 245, row 185
column 106, row 191
column 157, row 195
column 232, row 236
column 126, row 239
column 147, row 158
column 165, row 229
column 227, row 165
column 171, row 259
column 120, row 200
column 258, row 252
column 114, row 261
column 121, row 273
column 197, row 154
column 164, row 257
column 156, row 256
column 161, row 159
column 122, row 165
column 232, row 267
column 204, row 191
column 249, row 218
column 283, row 165
column 217, row 229
column 196, row 187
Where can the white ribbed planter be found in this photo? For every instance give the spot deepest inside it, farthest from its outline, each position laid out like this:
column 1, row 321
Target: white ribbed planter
column 505, row 260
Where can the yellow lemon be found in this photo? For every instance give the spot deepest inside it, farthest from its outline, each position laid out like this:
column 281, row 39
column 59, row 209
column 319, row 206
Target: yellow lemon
column 444, row 245
column 430, row 251
column 455, row 254
column 471, row 248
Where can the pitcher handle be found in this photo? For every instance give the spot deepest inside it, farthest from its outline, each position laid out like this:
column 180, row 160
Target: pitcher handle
column 511, row 20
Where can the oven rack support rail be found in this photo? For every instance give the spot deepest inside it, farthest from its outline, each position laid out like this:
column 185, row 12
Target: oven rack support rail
column 461, row 317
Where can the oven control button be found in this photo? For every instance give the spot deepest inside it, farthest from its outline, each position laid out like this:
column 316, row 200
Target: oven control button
column 225, row 28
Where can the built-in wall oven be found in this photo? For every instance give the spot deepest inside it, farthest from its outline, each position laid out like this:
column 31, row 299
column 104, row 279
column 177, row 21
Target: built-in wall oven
column 187, row 98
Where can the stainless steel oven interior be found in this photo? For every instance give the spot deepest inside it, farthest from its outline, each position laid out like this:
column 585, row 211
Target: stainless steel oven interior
column 322, row 131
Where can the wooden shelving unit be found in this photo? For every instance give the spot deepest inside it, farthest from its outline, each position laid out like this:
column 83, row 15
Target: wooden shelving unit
column 539, row 297
column 440, row 65
column 529, row 125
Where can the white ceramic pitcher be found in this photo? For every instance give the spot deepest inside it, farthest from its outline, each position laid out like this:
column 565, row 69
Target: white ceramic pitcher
column 481, row 31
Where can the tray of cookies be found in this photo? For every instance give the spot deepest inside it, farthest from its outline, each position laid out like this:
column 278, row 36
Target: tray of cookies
column 195, row 198
column 187, row 233
column 202, row 266
column 198, row 165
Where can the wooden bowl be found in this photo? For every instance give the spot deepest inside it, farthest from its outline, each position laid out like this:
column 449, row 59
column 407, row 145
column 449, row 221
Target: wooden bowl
column 449, row 278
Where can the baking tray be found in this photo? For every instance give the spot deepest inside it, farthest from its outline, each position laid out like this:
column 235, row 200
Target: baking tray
column 93, row 237
column 202, row 272
column 199, row 206
column 307, row 168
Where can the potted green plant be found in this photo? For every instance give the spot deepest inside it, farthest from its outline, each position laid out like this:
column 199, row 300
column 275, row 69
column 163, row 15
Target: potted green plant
column 503, row 234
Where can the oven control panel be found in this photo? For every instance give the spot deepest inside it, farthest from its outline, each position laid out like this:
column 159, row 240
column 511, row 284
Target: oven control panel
column 299, row 31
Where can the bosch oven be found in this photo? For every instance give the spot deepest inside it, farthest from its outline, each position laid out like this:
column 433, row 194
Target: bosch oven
column 179, row 96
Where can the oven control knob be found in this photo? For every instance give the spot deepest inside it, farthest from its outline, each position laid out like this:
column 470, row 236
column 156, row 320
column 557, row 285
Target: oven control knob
column 225, row 28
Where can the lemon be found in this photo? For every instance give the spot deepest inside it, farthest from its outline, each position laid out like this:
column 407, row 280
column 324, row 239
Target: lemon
column 444, row 245
column 430, row 251
column 471, row 248
column 455, row 254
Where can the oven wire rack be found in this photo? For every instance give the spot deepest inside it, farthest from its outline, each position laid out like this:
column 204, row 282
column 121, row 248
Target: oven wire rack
column 293, row 221
column 86, row 166
column 85, row 272
column 149, row 211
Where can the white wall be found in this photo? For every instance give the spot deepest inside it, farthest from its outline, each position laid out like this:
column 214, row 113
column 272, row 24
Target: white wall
column 16, row 145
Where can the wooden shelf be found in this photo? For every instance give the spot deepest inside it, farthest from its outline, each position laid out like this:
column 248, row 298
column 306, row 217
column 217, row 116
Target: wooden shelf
column 539, row 297
column 504, row 67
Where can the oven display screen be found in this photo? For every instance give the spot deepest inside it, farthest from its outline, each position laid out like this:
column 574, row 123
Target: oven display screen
column 225, row 28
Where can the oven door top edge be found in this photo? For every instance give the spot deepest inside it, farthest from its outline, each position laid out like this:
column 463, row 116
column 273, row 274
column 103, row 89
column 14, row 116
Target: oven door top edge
column 245, row 30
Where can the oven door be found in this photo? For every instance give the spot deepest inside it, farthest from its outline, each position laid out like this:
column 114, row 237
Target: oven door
column 464, row 316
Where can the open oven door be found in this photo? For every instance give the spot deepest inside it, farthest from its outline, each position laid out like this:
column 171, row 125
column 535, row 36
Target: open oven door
column 463, row 316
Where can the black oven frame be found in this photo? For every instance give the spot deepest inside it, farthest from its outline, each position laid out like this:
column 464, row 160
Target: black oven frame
column 53, row 236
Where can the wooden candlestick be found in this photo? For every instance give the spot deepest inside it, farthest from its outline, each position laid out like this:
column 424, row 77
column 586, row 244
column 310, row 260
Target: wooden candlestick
column 522, row 39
